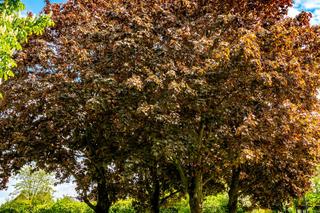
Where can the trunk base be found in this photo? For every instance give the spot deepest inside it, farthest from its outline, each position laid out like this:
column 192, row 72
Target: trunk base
column 195, row 194
column 233, row 192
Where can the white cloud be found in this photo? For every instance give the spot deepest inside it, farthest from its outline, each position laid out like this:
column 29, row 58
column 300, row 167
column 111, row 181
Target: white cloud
column 316, row 17
column 65, row 189
column 307, row 4
column 5, row 194
column 293, row 12
column 312, row 6
column 298, row 1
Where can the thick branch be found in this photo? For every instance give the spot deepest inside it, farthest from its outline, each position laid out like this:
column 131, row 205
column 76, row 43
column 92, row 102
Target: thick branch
column 201, row 134
column 183, row 176
column 163, row 200
column 208, row 180
column 87, row 201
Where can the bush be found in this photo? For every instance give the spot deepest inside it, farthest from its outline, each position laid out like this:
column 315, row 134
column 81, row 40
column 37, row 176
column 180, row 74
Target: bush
column 19, row 206
column 211, row 204
column 219, row 204
column 69, row 205
column 123, row 206
column 216, row 204
column 64, row 205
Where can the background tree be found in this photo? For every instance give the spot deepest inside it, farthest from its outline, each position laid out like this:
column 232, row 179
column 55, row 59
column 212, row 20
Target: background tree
column 34, row 186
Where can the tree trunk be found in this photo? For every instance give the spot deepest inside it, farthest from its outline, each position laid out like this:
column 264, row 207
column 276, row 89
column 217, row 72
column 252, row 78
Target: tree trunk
column 155, row 200
column 195, row 193
column 233, row 191
column 103, row 202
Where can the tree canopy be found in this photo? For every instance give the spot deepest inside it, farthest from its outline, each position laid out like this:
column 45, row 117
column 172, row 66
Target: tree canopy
column 220, row 95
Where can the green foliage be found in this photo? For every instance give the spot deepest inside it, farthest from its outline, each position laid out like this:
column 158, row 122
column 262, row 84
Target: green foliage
column 69, row 205
column 181, row 206
column 312, row 198
column 261, row 211
column 24, row 205
column 212, row 204
column 123, row 206
column 33, row 190
column 216, row 204
column 15, row 30
column 13, row 206
column 35, row 187
column 63, row 205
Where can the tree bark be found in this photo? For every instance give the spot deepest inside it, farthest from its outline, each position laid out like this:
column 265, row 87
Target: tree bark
column 155, row 200
column 103, row 201
column 195, row 193
column 233, row 191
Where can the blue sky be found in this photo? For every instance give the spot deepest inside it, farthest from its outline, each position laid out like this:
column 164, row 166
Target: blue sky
column 36, row 5
column 312, row 6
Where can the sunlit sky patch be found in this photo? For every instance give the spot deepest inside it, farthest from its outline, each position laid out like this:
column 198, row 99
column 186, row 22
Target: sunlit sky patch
column 36, row 6
column 312, row 6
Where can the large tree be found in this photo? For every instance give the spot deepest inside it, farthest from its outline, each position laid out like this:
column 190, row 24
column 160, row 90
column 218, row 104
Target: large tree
column 223, row 97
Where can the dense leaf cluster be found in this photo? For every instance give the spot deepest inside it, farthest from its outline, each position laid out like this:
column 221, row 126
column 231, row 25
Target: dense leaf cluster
column 155, row 99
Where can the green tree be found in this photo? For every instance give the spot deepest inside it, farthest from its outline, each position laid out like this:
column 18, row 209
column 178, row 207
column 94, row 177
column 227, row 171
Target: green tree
column 312, row 197
column 15, row 30
column 34, row 186
column 32, row 190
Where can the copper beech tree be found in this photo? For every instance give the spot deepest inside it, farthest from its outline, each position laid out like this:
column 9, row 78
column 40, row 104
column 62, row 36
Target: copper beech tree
column 223, row 93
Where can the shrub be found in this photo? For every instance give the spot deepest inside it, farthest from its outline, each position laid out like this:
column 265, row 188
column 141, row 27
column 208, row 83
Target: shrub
column 69, row 205
column 123, row 206
column 216, row 204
